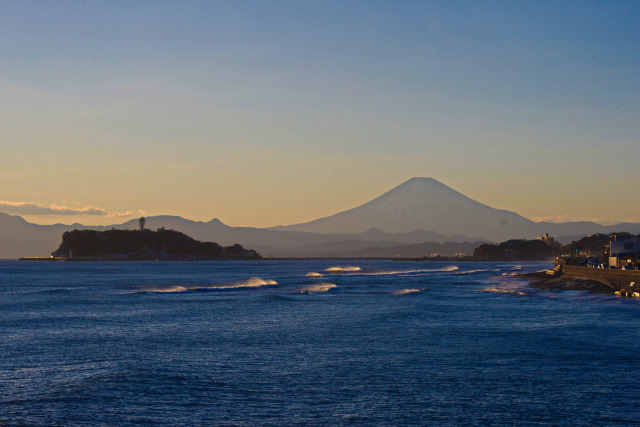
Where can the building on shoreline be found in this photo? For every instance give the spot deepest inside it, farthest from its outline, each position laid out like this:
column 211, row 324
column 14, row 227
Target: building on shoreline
column 624, row 252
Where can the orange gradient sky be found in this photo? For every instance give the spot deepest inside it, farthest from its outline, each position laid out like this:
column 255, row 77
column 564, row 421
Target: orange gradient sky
column 267, row 113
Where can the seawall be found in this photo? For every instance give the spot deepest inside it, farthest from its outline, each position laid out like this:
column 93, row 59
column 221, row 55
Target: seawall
column 622, row 282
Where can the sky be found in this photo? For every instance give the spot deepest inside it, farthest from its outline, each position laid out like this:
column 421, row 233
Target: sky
column 262, row 113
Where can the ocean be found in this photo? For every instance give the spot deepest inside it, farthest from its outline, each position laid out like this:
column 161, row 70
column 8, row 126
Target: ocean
column 310, row 342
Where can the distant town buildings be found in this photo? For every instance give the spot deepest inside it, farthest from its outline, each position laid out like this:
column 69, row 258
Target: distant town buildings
column 547, row 239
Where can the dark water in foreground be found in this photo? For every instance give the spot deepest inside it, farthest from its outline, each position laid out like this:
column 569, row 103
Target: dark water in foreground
column 393, row 343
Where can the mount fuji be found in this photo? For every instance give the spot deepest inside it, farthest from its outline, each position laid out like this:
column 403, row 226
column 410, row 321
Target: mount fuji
column 415, row 218
column 423, row 204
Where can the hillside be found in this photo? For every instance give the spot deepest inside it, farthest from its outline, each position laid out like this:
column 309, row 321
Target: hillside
column 514, row 250
column 144, row 244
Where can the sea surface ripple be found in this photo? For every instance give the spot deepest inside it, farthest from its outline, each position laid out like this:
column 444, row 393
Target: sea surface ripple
column 267, row 343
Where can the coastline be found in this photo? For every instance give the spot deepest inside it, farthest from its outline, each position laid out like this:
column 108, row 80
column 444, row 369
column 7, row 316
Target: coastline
column 556, row 282
column 573, row 278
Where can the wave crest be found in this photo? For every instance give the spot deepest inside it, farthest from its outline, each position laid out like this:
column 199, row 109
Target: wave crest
column 313, row 274
column 168, row 290
column 254, row 282
column 406, row 291
column 342, row 269
column 446, row 269
column 317, row 288
column 505, row 290
column 476, row 271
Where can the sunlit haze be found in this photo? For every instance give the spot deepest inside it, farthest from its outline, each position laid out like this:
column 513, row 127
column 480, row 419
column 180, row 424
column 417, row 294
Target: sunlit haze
column 266, row 112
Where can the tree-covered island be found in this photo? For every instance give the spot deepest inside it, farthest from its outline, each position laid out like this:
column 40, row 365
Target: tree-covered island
column 515, row 250
column 144, row 245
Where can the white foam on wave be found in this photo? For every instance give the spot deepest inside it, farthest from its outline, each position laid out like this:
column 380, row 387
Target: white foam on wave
column 476, row 271
column 406, row 291
column 254, row 282
column 168, row 290
column 342, row 269
column 505, row 289
column 314, row 274
column 446, row 269
column 319, row 287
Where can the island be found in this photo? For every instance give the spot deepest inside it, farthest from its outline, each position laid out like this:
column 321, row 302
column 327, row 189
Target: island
column 516, row 250
column 143, row 244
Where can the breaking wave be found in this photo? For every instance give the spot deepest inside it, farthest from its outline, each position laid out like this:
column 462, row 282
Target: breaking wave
column 411, row 272
column 505, row 289
column 476, row 271
column 254, row 282
column 314, row 274
column 342, row 269
column 317, row 288
column 168, row 290
column 406, row 291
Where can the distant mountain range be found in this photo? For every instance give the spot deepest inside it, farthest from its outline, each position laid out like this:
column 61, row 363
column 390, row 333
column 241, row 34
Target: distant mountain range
column 422, row 204
column 420, row 217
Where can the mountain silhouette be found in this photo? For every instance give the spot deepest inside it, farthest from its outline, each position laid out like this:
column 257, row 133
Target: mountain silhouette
column 22, row 238
column 423, row 204
column 402, row 220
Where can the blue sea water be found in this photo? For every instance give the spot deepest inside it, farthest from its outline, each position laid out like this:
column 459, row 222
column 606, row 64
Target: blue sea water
column 265, row 343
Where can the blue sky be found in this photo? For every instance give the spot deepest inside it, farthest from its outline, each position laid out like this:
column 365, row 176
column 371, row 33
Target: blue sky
column 265, row 113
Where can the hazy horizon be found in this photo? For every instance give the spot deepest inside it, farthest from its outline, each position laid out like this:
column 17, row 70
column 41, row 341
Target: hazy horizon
column 274, row 113
column 121, row 219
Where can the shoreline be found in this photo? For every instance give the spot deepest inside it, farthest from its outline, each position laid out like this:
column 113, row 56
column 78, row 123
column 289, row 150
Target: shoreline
column 557, row 282
column 586, row 279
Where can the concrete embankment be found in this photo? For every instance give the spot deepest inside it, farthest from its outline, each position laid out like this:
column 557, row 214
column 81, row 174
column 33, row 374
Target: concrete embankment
column 571, row 277
column 622, row 282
